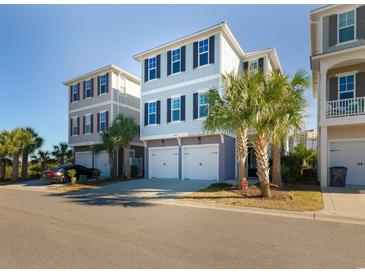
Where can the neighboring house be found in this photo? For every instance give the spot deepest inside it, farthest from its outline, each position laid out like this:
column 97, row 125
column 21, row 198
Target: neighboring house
column 95, row 99
column 307, row 138
column 338, row 68
column 175, row 79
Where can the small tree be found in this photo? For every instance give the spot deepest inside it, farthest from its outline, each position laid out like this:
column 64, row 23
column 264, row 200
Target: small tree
column 42, row 158
column 61, row 152
column 30, row 144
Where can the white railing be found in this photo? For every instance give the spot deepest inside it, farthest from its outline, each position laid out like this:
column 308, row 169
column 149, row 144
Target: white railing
column 346, row 107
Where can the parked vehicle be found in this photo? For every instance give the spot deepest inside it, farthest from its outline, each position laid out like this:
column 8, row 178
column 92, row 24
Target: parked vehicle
column 59, row 174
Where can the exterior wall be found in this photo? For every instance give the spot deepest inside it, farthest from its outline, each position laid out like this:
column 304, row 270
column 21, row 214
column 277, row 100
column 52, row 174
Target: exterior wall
column 229, row 60
column 346, row 132
column 226, row 152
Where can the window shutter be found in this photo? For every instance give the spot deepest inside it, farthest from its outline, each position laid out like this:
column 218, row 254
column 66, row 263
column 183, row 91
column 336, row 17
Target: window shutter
column 169, row 110
column 360, row 84
column 98, row 87
column 92, row 123
column 360, row 22
column 70, row 127
column 92, row 86
column 332, row 32
column 78, row 125
column 211, row 49
column 71, row 94
column 182, row 102
column 158, row 105
column 245, row 66
column 261, row 64
column 168, row 62
column 78, row 91
column 145, row 70
column 83, row 124
column 83, row 89
column 195, row 54
column 183, row 53
column 107, row 82
column 195, row 105
column 333, row 88
column 98, row 122
column 158, row 65
column 107, row 119
column 146, row 114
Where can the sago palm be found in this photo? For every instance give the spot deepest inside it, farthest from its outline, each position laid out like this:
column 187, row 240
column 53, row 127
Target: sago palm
column 229, row 112
column 289, row 114
column 32, row 142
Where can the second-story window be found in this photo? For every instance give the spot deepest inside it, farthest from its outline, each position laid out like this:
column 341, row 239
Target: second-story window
column 152, row 68
column 203, row 52
column 203, row 105
column 75, row 93
column 176, row 60
column 103, row 121
column 152, row 113
column 87, row 88
column 346, row 26
column 175, row 109
column 346, row 87
column 102, row 84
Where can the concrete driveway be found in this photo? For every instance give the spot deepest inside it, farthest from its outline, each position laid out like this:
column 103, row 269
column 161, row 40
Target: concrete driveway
column 33, row 185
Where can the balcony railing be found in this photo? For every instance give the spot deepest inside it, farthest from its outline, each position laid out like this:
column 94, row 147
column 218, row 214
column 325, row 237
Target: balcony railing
column 346, row 107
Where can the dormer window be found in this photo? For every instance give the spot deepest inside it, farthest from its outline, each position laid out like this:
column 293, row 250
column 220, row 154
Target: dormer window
column 346, row 26
column 203, row 52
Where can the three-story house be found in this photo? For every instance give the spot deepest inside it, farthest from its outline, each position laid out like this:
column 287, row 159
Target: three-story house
column 174, row 104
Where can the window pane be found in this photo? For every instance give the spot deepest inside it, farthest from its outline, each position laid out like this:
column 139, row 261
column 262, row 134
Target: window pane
column 203, row 111
column 350, row 86
column 176, row 67
column 346, row 34
column 350, row 79
column 346, row 95
column 152, row 74
column 175, row 115
column 152, row 107
column 176, row 103
column 203, row 99
column 343, row 87
column 203, row 59
column 152, row 118
column 342, row 80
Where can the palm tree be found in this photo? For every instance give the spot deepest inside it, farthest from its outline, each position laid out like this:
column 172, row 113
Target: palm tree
column 42, row 157
column 230, row 112
column 30, row 144
column 289, row 113
column 61, row 152
column 14, row 142
column 119, row 135
column 3, row 156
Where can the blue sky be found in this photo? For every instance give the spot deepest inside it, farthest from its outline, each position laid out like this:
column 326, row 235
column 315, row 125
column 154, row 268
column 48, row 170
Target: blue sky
column 43, row 45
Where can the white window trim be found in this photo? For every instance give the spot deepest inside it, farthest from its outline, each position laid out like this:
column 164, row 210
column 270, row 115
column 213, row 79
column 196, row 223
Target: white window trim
column 172, row 109
column 88, row 115
column 203, row 53
column 100, row 130
column 149, row 68
column 74, row 118
column 149, row 123
column 199, row 105
column 172, row 62
column 338, row 27
column 72, row 88
column 338, row 86
column 100, row 85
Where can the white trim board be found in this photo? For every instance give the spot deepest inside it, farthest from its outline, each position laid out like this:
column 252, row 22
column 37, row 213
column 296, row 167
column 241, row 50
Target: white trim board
column 103, row 104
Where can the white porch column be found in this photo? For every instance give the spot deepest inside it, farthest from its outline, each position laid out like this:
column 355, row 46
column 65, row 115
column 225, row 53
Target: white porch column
column 324, row 157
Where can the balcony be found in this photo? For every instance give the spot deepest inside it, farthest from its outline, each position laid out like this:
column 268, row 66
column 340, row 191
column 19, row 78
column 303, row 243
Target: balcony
column 345, row 107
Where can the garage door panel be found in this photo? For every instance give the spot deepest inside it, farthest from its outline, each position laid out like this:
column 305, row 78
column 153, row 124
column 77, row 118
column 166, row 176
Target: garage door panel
column 163, row 163
column 352, row 156
column 102, row 163
column 200, row 163
column 84, row 159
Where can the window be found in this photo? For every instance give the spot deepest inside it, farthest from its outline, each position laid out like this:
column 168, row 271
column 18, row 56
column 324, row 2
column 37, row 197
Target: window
column 88, row 124
column 103, row 121
column 203, row 104
column 253, row 65
column 74, row 126
column 176, row 60
column 346, row 88
column 152, row 68
column 75, row 93
column 175, row 109
column 87, row 88
column 346, row 26
column 203, row 52
column 152, row 113
column 132, row 153
column 102, row 84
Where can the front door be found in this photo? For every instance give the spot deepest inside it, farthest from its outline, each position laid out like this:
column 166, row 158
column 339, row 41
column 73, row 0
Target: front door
column 251, row 170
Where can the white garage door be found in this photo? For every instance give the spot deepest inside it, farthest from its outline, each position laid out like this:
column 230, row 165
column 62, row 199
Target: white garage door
column 163, row 162
column 200, row 162
column 84, row 159
column 102, row 163
column 352, row 156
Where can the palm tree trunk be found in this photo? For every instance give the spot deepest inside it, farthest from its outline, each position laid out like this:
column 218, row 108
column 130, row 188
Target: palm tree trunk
column 126, row 163
column 62, row 159
column 262, row 162
column 2, row 170
column 111, row 163
column 242, row 151
column 276, row 165
column 15, row 167
column 25, row 154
